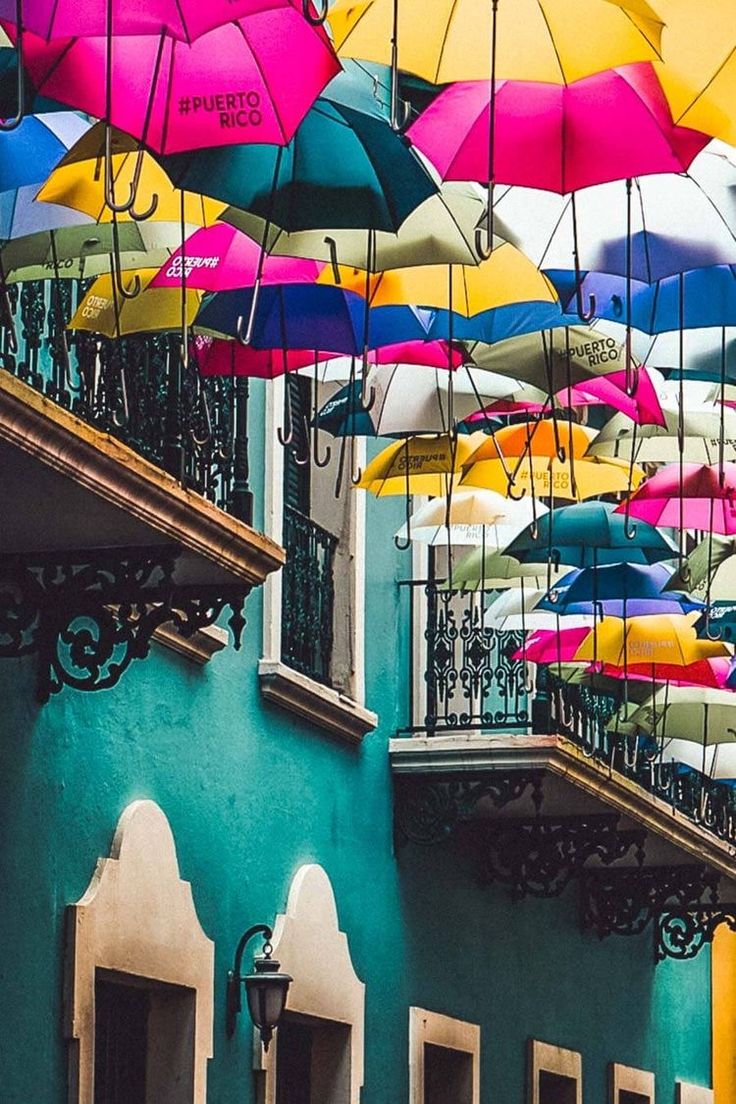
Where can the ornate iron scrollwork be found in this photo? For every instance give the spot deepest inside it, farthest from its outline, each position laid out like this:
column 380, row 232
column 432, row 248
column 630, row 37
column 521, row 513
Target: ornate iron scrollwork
column 682, row 933
column 540, row 857
column 625, row 901
column 428, row 808
column 88, row 615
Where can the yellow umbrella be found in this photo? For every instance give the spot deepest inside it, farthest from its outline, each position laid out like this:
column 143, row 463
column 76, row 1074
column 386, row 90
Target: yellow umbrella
column 418, row 465
column 104, row 311
column 507, row 277
column 78, row 181
column 698, row 71
column 659, row 638
column 537, row 40
column 539, row 475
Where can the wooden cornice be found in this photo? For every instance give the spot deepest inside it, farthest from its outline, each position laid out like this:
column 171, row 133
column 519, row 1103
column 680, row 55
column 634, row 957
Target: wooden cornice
column 119, row 476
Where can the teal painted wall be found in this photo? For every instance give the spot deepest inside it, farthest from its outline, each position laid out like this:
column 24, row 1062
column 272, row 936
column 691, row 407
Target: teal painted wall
column 252, row 794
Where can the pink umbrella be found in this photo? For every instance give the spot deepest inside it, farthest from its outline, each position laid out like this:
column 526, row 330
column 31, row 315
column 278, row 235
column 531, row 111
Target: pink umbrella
column 184, row 19
column 642, row 407
column 216, row 357
column 219, row 258
column 704, row 672
column 550, row 646
column 605, row 127
column 505, row 406
column 234, row 84
column 687, row 496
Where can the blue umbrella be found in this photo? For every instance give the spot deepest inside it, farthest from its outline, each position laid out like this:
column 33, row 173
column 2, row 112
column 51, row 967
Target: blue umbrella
column 30, row 152
column 619, row 590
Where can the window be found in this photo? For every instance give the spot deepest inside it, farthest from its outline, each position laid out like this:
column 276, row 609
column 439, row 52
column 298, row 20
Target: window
column 444, row 1059
column 555, row 1074
column 144, row 1041
column 630, row 1086
column 316, row 1056
column 313, row 1061
column 314, row 608
column 138, row 998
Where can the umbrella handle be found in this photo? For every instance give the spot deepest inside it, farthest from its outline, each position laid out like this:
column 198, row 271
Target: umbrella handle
column 320, row 13
column 320, row 462
column 122, row 291
column 510, row 493
column 629, row 527
column 302, row 459
column 286, row 436
column 399, row 121
column 14, row 123
column 483, row 241
column 583, row 315
column 127, row 206
column 708, row 629
column 246, row 338
column 333, row 260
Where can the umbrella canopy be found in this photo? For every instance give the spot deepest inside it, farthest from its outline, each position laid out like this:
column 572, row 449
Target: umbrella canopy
column 553, row 359
column 507, row 277
column 182, row 19
column 440, row 230
column 699, row 714
column 619, row 590
column 217, row 357
column 333, row 368
column 469, row 518
column 688, row 496
column 552, row 646
column 171, row 95
column 544, row 476
column 30, row 152
column 518, row 610
column 642, row 406
column 705, row 672
column 658, row 638
column 717, row 761
column 153, row 310
column 343, row 169
column 417, row 465
column 537, row 40
column 694, row 435
column 589, row 534
column 549, row 135
column 481, row 569
column 218, row 258
column 78, row 182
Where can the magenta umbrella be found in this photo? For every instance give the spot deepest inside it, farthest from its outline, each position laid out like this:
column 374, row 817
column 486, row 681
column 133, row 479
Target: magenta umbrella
column 551, row 646
column 219, row 258
column 234, row 84
column 609, row 126
column 642, row 406
column 687, row 496
column 183, row 19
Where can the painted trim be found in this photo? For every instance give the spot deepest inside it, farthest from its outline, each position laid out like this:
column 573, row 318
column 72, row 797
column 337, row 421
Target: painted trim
column 109, row 469
column 723, row 1003
column 471, row 753
column 693, row 1094
column 327, row 708
column 543, row 1057
column 272, row 594
column 443, row 1031
column 627, row 1079
column 198, row 648
column 137, row 917
column 310, row 946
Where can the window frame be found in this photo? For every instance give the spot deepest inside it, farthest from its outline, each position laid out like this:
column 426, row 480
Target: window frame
column 629, row 1079
column 547, row 1058
column 443, row 1031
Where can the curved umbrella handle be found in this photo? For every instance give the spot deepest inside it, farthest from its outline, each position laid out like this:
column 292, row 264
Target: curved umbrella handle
column 318, row 17
column 119, row 286
column 484, row 241
column 302, row 459
column 709, row 627
column 630, row 528
column 398, row 122
column 366, row 407
column 583, row 315
column 333, row 260
column 510, row 493
column 286, row 435
column 13, row 124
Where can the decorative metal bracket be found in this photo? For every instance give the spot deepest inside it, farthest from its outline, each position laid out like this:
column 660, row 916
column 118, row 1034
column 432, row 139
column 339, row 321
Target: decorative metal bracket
column 540, row 857
column 625, row 901
column 89, row 614
column 427, row 808
column 682, row 933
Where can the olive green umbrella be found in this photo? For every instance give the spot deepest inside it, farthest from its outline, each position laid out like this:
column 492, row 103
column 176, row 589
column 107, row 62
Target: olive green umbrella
column 487, row 569
column 552, row 359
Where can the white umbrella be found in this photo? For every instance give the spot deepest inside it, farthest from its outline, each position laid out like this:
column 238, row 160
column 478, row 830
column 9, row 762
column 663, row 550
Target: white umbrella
column 476, row 517
column 701, row 431
column 516, row 611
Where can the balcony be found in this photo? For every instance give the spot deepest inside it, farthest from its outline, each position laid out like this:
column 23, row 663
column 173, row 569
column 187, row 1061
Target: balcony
column 125, row 497
column 308, row 596
column 531, row 780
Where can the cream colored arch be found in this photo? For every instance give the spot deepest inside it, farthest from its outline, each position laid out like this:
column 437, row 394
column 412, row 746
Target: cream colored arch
column 309, row 945
column 137, row 917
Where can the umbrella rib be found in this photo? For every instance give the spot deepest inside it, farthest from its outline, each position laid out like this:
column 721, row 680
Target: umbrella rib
column 443, row 42
column 256, row 59
column 717, row 72
column 149, row 108
column 645, row 36
column 540, row 5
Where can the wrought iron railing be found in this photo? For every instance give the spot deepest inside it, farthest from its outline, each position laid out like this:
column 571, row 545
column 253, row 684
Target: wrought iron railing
column 469, row 680
column 138, row 389
column 308, row 596
column 582, row 715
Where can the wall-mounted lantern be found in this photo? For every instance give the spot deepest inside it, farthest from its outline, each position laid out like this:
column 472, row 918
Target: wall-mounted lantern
column 266, row 987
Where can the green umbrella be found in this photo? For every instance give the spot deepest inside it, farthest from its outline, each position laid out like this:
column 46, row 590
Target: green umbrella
column 84, row 251
column 590, row 534
column 552, row 359
column 343, row 169
column 441, row 230
column 489, row 570
column 697, row 713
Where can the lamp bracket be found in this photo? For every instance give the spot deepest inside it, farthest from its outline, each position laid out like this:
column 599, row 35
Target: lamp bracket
column 682, row 933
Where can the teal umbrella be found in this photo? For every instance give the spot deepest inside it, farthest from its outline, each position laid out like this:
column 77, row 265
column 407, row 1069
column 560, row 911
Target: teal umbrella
column 590, row 534
column 345, row 168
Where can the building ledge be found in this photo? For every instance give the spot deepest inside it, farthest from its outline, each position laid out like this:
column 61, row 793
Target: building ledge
column 326, row 708
column 198, row 648
column 49, row 454
column 473, row 755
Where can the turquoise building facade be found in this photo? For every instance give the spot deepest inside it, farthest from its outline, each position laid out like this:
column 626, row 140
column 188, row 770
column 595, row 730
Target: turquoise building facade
column 253, row 792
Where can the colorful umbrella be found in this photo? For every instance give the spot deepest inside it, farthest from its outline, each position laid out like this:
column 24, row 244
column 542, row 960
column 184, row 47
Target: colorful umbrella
column 479, row 569
column 553, row 359
column 232, row 85
column 549, row 135
column 104, row 311
column 698, row 437
column 417, row 465
column 660, row 638
column 688, row 496
column 469, row 518
column 619, row 590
